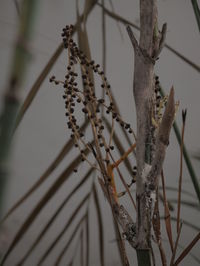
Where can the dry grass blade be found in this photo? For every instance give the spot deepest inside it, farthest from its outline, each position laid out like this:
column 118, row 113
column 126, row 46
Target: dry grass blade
column 119, row 146
column 125, row 21
column 73, row 234
column 36, row 86
column 118, row 25
column 83, row 41
column 170, row 206
column 67, row 147
column 187, row 249
column 167, row 214
column 181, row 170
column 104, row 37
column 125, row 184
column 176, row 245
column 56, row 240
column 53, row 217
column 41, row 204
column 103, row 45
column 100, row 225
column 87, row 239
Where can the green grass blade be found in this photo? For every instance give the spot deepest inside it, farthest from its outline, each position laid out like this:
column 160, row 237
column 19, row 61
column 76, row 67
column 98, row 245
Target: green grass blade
column 100, row 225
column 196, row 12
column 56, row 240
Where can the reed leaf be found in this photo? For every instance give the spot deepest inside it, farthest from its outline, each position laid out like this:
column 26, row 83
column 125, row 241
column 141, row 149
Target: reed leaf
column 53, row 217
column 196, row 12
column 56, row 240
column 41, row 204
column 73, row 234
column 100, row 225
column 127, row 22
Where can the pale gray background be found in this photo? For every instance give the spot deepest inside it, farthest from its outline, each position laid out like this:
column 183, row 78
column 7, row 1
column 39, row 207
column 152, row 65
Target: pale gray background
column 42, row 132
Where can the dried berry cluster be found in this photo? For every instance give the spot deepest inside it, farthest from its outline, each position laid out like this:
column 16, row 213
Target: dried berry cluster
column 91, row 105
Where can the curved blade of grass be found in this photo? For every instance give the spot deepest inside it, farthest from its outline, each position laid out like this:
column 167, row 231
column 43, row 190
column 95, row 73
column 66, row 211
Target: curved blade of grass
column 184, row 222
column 196, row 12
column 64, row 151
column 189, row 204
column 100, row 225
column 186, row 156
column 41, row 204
column 87, row 239
column 183, row 191
column 167, row 214
column 75, row 231
column 187, row 249
column 56, row 240
column 53, row 217
column 36, row 86
column 125, row 21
